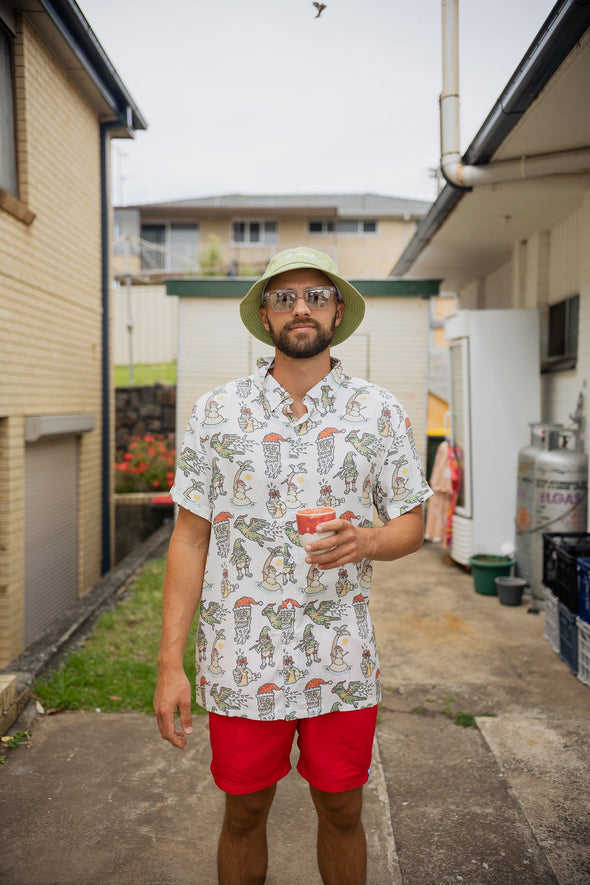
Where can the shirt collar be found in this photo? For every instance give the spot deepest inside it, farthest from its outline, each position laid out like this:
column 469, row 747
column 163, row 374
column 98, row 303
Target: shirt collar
column 276, row 395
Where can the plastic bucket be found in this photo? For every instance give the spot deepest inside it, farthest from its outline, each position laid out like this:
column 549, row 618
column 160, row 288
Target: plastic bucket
column 485, row 568
column 510, row 590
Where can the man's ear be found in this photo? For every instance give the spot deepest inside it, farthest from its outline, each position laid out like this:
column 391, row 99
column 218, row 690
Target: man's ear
column 263, row 317
column 340, row 308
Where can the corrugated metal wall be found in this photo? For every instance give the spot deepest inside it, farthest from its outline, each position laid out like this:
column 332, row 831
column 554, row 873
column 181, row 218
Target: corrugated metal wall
column 154, row 316
column 390, row 349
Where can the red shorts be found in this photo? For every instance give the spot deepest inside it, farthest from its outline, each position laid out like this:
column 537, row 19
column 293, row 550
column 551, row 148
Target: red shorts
column 334, row 750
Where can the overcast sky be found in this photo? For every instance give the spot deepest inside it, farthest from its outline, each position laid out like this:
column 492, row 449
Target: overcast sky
column 259, row 96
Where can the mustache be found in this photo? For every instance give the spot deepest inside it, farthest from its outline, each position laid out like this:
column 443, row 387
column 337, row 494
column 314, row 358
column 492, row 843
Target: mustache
column 308, row 321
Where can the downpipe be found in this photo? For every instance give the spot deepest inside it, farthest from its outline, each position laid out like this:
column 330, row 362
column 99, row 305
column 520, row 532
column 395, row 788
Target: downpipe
column 453, row 169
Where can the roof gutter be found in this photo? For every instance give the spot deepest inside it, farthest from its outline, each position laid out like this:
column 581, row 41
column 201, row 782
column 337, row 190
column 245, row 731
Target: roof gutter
column 66, row 18
column 565, row 25
column 464, row 175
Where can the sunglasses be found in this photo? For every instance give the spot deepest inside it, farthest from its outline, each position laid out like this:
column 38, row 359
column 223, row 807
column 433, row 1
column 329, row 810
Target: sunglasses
column 316, row 298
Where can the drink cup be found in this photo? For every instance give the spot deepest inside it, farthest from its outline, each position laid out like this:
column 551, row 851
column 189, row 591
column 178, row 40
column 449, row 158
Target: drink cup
column 308, row 519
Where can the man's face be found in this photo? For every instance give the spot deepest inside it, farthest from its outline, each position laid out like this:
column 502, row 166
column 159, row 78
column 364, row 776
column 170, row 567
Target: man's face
column 301, row 333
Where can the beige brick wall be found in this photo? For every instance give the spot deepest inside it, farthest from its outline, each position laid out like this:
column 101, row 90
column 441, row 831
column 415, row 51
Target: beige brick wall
column 12, row 454
column 50, row 306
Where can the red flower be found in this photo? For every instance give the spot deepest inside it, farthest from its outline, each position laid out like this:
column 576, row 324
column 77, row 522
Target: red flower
column 147, row 464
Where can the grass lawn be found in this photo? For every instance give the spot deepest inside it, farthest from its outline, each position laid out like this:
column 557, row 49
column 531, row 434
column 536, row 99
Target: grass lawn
column 115, row 669
column 146, row 374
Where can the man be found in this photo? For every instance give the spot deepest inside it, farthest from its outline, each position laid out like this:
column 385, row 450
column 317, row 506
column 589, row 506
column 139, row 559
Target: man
column 285, row 638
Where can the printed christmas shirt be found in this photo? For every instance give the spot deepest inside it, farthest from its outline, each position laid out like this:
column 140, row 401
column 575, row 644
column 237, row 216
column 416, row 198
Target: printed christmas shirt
column 279, row 638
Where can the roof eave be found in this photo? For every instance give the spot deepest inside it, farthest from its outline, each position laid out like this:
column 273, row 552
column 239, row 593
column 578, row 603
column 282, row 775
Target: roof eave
column 63, row 26
column 564, row 26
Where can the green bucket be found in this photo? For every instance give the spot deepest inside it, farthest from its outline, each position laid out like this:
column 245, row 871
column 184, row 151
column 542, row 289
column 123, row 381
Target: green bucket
column 485, row 568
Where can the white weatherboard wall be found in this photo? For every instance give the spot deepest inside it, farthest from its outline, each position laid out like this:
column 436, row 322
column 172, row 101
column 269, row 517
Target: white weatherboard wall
column 390, row 347
column 548, row 267
column 569, row 274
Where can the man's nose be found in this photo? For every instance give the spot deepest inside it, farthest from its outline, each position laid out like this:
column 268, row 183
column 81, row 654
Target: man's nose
column 301, row 307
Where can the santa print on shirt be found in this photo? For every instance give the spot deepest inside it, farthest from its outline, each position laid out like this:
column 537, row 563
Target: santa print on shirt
column 279, row 638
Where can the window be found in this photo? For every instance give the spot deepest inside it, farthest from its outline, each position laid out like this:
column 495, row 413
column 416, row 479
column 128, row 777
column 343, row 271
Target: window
column 320, row 227
column 8, row 179
column 153, row 248
column 353, row 226
column 170, row 247
column 254, row 233
column 184, row 247
column 562, row 341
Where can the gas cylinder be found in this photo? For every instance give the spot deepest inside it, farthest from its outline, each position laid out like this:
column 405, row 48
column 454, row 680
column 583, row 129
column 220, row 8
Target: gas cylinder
column 560, row 504
column 544, row 437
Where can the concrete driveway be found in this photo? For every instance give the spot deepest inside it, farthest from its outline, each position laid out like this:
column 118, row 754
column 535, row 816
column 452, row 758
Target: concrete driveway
column 101, row 799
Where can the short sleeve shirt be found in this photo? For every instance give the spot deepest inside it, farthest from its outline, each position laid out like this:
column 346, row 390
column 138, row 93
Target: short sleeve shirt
column 279, row 638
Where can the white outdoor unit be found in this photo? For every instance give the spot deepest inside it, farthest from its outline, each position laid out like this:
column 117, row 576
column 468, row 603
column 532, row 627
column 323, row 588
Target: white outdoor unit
column 495, row 395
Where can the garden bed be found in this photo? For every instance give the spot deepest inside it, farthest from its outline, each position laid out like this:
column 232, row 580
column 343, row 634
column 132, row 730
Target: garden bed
column 137, row 516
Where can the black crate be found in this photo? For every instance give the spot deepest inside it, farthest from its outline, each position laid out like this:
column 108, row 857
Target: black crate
column 560, row 567
column 568, row 638
column 584, row 589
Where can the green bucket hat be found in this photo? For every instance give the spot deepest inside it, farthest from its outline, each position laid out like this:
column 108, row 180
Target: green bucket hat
column 293, row 259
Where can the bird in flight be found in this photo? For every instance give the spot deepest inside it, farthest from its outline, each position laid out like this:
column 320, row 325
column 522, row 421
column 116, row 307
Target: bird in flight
column 320, row 8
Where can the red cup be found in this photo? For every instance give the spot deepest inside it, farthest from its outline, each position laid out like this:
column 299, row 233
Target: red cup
column 308, row 519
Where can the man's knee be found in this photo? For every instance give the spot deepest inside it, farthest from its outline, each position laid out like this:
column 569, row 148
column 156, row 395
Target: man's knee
column 243, row 813
column 340, row 810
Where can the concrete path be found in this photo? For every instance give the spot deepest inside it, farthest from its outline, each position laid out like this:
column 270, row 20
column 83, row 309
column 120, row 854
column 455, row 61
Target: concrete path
column 101, row 799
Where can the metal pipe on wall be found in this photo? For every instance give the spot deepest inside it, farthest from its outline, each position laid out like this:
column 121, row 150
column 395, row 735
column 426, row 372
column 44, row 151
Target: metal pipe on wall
column 465, row 176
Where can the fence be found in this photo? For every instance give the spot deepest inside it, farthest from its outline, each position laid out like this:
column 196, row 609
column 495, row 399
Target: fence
column 153, row 317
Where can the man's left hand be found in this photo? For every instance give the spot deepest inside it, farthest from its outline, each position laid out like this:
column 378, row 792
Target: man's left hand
column 350, row 543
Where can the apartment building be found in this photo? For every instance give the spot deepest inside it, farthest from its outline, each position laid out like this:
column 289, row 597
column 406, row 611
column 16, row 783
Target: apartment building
column 236, row 234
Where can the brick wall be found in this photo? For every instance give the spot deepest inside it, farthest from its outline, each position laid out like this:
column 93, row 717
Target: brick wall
column 50, row 307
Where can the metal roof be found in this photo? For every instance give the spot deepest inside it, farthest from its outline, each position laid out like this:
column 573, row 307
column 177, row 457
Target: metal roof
column 341, row 205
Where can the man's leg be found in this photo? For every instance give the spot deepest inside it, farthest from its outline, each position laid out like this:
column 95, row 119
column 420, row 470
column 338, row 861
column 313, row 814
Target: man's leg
column 242, row 855
column 342, row 850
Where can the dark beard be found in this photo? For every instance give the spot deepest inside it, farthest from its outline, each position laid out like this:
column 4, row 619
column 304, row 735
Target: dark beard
column 301, row 350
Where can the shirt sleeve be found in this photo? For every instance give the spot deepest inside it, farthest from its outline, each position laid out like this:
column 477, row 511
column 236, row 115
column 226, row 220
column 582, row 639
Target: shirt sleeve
column 400, row 483
column 192, row 481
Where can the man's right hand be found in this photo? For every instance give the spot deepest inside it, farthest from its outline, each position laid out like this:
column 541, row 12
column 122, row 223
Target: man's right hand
column 173, row 693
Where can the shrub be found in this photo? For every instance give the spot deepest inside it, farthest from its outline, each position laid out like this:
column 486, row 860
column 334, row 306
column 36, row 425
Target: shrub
column 147, row 465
